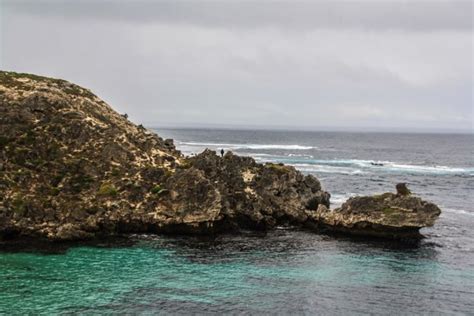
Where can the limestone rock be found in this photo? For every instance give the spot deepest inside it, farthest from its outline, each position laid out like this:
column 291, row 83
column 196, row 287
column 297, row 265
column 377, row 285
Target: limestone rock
column 386, row 215
column 73, row 168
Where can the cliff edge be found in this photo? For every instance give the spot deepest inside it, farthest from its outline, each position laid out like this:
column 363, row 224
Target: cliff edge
column 73, row 168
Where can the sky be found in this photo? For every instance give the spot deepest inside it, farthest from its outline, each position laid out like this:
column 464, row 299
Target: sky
column 311, row 65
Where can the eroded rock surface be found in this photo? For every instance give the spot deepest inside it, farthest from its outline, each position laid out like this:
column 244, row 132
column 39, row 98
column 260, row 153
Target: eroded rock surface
column 390, row 215
column 73, row 168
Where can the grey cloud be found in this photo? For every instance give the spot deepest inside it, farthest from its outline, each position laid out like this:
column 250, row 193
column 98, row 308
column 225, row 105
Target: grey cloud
column 365, row 14
column 195, row 63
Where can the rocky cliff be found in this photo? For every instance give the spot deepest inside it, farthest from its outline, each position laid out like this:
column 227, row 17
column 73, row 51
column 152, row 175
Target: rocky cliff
column 71, row 168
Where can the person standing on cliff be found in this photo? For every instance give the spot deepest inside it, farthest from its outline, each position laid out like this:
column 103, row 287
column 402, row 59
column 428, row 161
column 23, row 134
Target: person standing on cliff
column 222, row 152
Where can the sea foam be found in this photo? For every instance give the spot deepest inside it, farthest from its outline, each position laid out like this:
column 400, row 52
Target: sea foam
column 248, row 146
column 354, row 166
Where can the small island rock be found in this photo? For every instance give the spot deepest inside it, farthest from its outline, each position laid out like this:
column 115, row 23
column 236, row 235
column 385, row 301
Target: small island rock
column 387, row 215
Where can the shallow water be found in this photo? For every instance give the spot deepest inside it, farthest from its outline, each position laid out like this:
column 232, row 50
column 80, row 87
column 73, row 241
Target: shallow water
column 286, row 271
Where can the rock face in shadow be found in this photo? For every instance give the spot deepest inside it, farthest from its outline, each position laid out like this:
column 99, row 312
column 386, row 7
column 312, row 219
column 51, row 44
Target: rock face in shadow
column 257, row 196
column 73, row 168
column 387, row 215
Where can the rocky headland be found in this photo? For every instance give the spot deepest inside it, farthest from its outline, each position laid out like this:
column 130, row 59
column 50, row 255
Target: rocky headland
column 72, row 168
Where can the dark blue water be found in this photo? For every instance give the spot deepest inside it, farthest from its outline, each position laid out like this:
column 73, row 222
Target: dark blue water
column 285, row 271
column 436, row 166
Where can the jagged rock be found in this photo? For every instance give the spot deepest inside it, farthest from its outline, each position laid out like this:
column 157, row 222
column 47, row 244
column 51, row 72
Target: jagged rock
column 73, row 168
column 386, row 215
column 69, row 232
column 259, row 196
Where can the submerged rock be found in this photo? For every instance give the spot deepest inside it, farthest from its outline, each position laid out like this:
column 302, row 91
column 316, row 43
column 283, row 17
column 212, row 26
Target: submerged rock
column 389, row 215
column 73, row 168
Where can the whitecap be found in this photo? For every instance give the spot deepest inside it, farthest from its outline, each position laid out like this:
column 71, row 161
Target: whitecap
column 457, row 211
column 338, row 199
column 379, row 165
column 326, row 169
column 248, row 146
column 306, row 162
column 300, row 155
column 429, row 169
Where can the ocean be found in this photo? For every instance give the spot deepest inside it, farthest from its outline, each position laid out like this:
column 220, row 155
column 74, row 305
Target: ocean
column 285, row 271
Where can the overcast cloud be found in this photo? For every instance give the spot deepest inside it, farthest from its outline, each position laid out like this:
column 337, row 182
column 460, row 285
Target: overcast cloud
column 404, row 65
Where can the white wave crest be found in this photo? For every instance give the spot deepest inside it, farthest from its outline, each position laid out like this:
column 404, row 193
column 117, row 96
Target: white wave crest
column 248, row 146
column 429, row 169
column 326, row 169
column 338, row 199
column 370, row 166
column 300, row 155
column 457, row 211
column 306, row 162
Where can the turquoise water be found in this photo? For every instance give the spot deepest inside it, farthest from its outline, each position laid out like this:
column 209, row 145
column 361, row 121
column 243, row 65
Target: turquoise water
column 284, row 272
column 287, row 271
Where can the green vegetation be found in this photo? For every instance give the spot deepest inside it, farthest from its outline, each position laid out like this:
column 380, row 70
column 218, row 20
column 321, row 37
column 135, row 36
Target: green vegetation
column 115, row 172
column 107, row 189
column 47, row 204
column 80, row 182
column 28, row 138
column 157, row 189
column 19, row 205
column 20, row 155
column 388, row 211
column 9, row 79
column 381, row 197
column 394, row 214
column 53, row 150
column 185, row 164
column 168, row 173
column 54, row 191
column 3, row 141
column 57, row 178
column 277, row 167
column 78, row 91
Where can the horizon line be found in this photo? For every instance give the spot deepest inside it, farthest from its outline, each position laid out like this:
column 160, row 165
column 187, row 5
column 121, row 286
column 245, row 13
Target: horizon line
column 350, row 129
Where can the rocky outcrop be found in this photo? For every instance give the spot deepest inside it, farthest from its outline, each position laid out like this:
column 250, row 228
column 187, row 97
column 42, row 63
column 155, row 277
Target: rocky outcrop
column 389, row 215
column 73, row 168
column 260, row 196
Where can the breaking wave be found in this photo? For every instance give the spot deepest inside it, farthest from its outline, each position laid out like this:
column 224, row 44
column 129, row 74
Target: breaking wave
column 248, row 146
column 354, row 166
column 457, row 211
column 326, row 169
column 307, row 163
column 338, row 199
